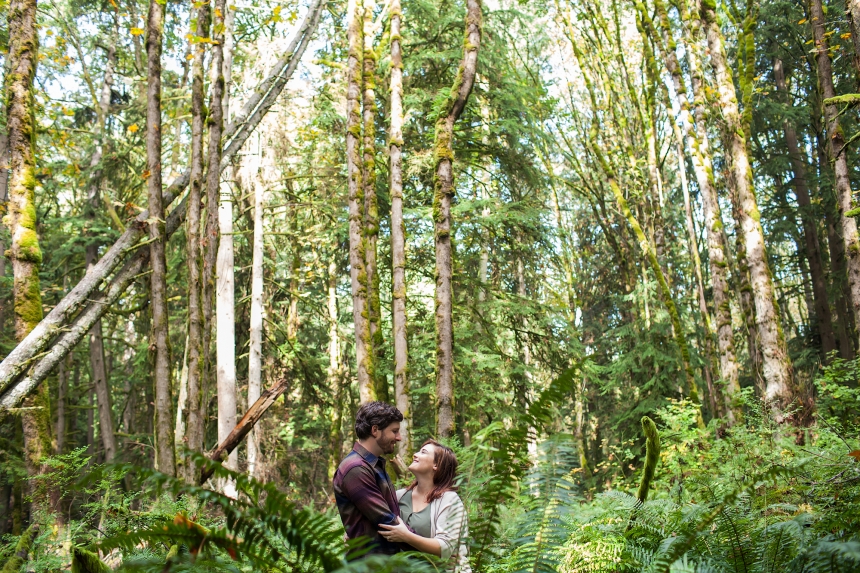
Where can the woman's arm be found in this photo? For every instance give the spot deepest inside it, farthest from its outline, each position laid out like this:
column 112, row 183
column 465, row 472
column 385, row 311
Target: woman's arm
column 399, row 533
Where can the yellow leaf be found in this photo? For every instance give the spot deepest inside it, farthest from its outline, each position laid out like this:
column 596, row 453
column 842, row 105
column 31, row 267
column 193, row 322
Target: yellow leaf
column 802, row 21
column 845, row 36
column 133, row 128
column 136, row 31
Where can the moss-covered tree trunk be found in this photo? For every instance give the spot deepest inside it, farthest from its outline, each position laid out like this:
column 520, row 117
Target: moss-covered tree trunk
column 165, row 459
column 371, row 203
column 696, row 134
column 358, row 274
column 776, row 366
column 443, row 194
column 838, row 157
column 194, row 395
column 398, row 231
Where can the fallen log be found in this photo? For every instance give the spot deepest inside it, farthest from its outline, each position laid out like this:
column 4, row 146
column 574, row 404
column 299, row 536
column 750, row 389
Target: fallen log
column 245, row 425
column 31, row 349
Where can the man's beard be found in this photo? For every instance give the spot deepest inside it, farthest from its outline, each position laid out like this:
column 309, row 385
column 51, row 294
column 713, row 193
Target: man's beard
column 388, row 447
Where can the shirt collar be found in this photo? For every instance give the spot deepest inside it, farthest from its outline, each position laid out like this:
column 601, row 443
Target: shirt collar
column 368, row 457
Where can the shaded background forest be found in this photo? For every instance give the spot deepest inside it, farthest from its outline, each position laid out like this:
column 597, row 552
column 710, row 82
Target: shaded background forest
column 583, row 243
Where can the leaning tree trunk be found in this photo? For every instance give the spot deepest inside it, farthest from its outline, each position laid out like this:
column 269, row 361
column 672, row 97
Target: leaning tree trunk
column 165, row 459
column 398, row 231
column 335, row 370
column 776, row 366
column 443, row 195
column 225, row 308
column 838, row 158
column 358, row 274
column 69, row 321
column 823, row 318
column 194, row 351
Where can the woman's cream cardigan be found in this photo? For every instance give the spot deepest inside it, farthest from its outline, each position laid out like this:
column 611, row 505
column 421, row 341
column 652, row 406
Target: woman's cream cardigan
column 450, row 527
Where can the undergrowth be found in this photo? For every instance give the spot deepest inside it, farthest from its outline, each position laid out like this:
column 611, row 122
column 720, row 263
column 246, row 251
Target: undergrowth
column 750, row 501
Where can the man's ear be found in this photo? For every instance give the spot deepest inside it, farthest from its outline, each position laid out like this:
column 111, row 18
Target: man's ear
column 374, row 430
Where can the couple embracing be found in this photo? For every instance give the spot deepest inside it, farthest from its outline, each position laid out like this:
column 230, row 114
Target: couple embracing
column 428, row 516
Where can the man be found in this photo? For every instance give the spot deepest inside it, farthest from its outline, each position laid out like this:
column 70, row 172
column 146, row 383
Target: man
column 363, row 491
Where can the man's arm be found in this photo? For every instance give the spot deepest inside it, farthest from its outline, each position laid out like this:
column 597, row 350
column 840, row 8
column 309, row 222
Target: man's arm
column 359, row 484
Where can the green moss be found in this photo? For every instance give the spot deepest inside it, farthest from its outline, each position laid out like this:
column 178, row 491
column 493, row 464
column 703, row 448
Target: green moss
column 28, row 247
column 652, row 457
column 28, row 300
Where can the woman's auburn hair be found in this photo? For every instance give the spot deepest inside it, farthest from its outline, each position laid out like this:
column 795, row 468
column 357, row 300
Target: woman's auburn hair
column 446, row 470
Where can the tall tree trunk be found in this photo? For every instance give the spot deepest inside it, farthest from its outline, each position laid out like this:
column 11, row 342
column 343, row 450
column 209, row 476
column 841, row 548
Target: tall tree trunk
column 838, row 158
column 823, row 320
column 695, row 131
column 853, row 9
column 776, row 366
column 194, row 348
column 25, row 252
column 94, row 203
column 398, row 232
column 443, row 195
column 335, row 370
column 165, row 459
column 62, row 398
column 371, row 208
column 358, row 274
column 215, row 123
column 225, row 312
column 255, row 351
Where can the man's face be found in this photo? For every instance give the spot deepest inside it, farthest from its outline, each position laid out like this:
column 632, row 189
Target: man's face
column 388, row 437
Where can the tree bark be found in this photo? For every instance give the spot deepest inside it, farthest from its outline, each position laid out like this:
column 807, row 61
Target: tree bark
column 695, row 130
column 838, row 158
column 443, row 195
column 165, row 460
column 776, row 366
column 255, row 351
column 853, row 9
column 371, row 204
column 225, row 311
column 62, row 320
column 823, row 321
column 357, row 263
column 398, row 232
column 94, row 203
column 215, row 123
column 194, row 351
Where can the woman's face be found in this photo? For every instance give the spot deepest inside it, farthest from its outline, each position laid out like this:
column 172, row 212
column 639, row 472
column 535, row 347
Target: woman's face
column 423, row 460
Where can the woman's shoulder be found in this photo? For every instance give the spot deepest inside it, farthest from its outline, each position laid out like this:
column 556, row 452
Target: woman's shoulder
column 451, row 497
column 399, row 493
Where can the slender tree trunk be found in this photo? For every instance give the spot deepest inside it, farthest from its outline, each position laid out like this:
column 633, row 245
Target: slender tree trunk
column 838, row 158
column 194, row 348
column 94, row 203
column 776, row 366
column 180, row 431
column 853, row 9
column 335, row 370
column 358, row 273
column 225, row 311
column 255, row 351
column 371, row 208
column 62, row 398
column 823, row 321
column 443, row 195
column 695, row 130
column 165, row 460
column 215, row 123
column 398, row 232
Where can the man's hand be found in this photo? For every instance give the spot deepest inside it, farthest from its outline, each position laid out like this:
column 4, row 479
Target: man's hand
column 395, row 533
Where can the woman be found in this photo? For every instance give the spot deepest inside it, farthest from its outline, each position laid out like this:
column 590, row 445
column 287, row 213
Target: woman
column 432, row 508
